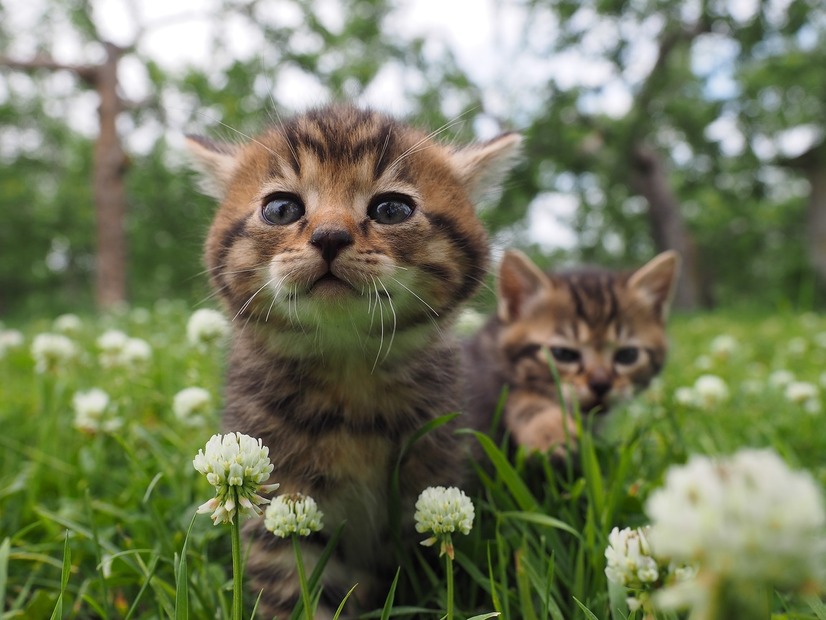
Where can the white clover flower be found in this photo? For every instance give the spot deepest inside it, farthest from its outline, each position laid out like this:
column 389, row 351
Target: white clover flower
column 135, row 352
column 112, row 341
column 802, row 393
column 206, row 326
column 745, row 518
column 68, row 324
column 191, row 404
column 293, row 514
column 443, row 511
column 685, row 396
column 52, row 351
column 781, row 378
column 90, row 412
column 710, row 390
column 629, row 559
column 111, row 344
column 10, row 339
column 236, row 465
column 723, row 346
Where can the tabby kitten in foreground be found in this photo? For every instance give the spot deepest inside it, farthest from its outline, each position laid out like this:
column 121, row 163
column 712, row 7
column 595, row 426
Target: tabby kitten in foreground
column 604, row 332
column 344, row 245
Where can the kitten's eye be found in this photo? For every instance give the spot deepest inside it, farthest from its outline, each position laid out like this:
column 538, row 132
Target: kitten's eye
column 391, row 209
column 282, row 209
column 565, row 355
column 626, row 355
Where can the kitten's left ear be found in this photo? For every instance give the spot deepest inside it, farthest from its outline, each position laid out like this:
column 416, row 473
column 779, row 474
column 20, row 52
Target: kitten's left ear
column 656, row 280
column 482, row 167
column 215, row 161
column 519, row 280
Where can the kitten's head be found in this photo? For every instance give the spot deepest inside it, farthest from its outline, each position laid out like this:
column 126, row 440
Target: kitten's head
column 347, row 221
column 603, row 330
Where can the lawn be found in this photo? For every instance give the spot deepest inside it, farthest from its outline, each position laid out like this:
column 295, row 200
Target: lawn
column 96, row 508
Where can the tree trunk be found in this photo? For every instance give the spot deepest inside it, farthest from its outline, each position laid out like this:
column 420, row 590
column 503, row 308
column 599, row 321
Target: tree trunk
column 816, row 220
column 109, row 188
column 668, row 230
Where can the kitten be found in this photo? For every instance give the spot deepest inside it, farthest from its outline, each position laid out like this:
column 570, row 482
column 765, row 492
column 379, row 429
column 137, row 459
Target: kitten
column 344, row 245
column 603, row 330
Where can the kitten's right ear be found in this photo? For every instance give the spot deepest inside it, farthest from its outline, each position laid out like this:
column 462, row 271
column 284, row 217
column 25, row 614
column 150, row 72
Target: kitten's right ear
column 215, row 162
column 519, row 280
column 483, row 167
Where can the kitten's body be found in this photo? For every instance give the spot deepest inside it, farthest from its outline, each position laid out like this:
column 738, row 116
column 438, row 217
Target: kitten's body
column 603, row 330
column 343, row 247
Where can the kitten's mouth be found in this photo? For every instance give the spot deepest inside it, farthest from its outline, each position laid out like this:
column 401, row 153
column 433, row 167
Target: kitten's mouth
column 329, row 283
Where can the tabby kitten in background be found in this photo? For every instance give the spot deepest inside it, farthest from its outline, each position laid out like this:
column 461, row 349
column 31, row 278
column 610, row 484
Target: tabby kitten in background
column 604, row 332
column 344, row 245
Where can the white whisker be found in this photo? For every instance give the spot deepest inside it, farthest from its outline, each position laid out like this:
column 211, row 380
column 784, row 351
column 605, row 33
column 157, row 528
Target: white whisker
column 393, row 310
column 249, row 301
column 381, row 322
column 415, row 295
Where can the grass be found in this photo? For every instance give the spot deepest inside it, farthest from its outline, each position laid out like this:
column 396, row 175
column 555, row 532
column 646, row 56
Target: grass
column 100, row 525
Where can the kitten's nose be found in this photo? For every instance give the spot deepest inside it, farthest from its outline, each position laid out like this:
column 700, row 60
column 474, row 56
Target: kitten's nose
column 330, row 241
column 600, row 387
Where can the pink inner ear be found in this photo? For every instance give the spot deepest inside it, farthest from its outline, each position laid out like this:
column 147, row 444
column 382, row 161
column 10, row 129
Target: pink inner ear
column 519, row 279
column 513, row 294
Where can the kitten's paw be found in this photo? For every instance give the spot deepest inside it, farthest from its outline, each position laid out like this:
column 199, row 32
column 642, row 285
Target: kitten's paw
column 549, row 431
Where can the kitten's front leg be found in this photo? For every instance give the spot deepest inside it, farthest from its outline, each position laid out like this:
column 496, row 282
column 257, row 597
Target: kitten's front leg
column 538, row 423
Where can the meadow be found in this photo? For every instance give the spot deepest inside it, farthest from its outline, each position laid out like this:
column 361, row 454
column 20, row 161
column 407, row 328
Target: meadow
column 98, row 492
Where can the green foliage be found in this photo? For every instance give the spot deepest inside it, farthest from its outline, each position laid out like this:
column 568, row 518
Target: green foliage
column 123, row 501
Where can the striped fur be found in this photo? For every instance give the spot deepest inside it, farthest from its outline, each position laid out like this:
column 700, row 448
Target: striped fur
column 603, row 330
column 341, row 347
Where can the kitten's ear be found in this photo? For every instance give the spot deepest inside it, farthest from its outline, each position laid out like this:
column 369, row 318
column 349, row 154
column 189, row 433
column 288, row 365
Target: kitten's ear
column 483, row 167
column 519, row 280
column 656, row 280
column 215, row 162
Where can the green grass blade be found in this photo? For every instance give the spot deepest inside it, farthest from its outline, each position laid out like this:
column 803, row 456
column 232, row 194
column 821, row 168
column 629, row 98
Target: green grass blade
column 817, row 606
column 344, row 602
column 518, row 489
column 64, row 578
column 182, row 580
column 391, row 595
column 5, row 551
column 524, row 589
column 588, row 613
column 153, row 564
column 540, row 519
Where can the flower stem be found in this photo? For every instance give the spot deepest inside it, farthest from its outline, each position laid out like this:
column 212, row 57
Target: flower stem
column 449, row 566
column 302, row 579
column 237, row 571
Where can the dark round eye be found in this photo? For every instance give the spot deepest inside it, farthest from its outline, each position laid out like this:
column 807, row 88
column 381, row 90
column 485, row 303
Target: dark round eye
column 390, row 209
column 282, row 209
column 565, row 355
column 626, row 355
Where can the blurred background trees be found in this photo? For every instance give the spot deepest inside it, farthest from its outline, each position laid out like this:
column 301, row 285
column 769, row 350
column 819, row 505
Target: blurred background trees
column 650, row 124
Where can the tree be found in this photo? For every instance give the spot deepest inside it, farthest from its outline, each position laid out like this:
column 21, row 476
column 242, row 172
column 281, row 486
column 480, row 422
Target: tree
column 691, row 140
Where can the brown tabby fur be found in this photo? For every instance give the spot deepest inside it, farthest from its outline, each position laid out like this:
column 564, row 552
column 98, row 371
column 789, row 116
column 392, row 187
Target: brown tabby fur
column 341, row 337
column 604, row 331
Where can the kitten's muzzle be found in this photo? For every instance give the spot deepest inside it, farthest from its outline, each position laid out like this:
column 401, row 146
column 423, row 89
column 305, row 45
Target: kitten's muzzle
column 330, row 241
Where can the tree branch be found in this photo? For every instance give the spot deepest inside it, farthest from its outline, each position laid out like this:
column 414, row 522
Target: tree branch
column 87, row 73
